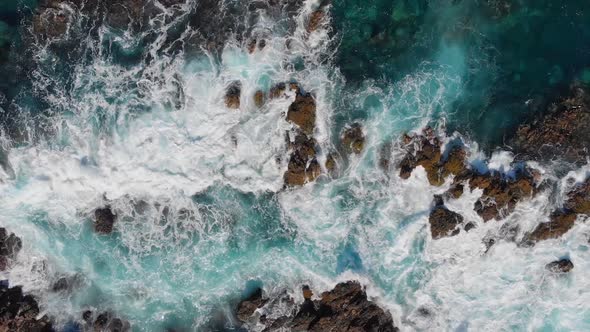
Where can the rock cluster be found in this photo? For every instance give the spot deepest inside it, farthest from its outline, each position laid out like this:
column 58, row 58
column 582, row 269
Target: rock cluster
column 18, row 312
column 353, row 138
column 562, row 220
column 443, row 222
column 105, row 321
column 563, row 131
column 344, row 308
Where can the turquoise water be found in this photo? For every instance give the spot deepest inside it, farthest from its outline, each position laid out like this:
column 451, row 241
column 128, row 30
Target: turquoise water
column 201, row 218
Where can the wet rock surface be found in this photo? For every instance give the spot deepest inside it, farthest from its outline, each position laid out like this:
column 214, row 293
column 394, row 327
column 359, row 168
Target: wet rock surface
column 18, row 312
column 232, row 95
column 443, row 222
column 10, row 245
column 344, row 308
column 353, row 138
column 560, row 266
column 104, row 220
column 563, row 131
column 426, row 150
column 303, row 166
column 104, row 321
column 562, row 220
column 302, row 113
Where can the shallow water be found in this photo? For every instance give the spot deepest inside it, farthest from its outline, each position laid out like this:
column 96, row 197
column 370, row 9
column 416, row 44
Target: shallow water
column 198, row 188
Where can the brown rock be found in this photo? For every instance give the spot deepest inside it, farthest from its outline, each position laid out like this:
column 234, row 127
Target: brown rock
column 50, row 20
column 247, row 307
column 302, row 113
column 353, row 139
column 104, row 220
column 259, row 98
column 563, row 131
column 443, row 222
column 315, row 20
column 303, row 166
column 232, row 95
column 422, row 151
column 277, row 90
column 330, row 163
column 578, row 200
column 560, row 266
column 559, row 224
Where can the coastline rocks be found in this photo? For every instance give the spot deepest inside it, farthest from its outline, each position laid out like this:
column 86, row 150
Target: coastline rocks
column 561, row 221
column 443, row 222
column 248, row 306
column 10, row 245
column 562, row 132
column 232, row 95
column 344, row 308
column 315, row 20
column 425, row 150
column 18, row 312
column 104, row 220
column 302, row 112
column 303, row 166
column 560, row 266
column 51, row 19
column 104, row 321
column 353, row 138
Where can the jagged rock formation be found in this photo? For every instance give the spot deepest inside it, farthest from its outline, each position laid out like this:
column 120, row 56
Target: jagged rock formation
column 560, row 266
column 344, row 308
column 443, row 222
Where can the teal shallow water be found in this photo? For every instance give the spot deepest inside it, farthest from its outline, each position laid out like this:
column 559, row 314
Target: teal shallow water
column 202, row 219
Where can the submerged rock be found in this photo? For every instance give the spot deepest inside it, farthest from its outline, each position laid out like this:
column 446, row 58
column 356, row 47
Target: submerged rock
column 353, row 138
column 104, row 220
column 560, row 266
column 302, row 113
column 19, row 312
column 52, row 19
column 10, row 245
column 563, row 131
column 344, row 308
column 232, row 95
column 443, row 222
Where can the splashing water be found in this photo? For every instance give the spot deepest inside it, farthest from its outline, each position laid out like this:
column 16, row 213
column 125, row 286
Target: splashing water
column 198, row 188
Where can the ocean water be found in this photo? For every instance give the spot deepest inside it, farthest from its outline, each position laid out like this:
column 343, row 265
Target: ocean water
column 123, row 118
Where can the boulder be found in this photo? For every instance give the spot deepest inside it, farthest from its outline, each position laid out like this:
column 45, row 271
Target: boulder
column 353, row 138
column 52, row 19
column 104, row 321
column 443, row 222
column 560, row 266
column 104, row 220
column 303, row 166
column 302, row 112
column 344, row 308
column 259, row 98
column 315, row 20
column 19, row 312
column 562, row 131
column 10, row 245
column 232, row 95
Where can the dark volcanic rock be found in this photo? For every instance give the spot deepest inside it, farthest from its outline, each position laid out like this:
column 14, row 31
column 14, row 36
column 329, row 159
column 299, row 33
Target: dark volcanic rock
column 562, row 132
column 302, row 112
column 560, row 266
column 443, row 222
column 248, row 306
column 353, row 138
column 345, row 308
column 104, row 220
column 104, row 321
column 10, row 245
column 19, row 312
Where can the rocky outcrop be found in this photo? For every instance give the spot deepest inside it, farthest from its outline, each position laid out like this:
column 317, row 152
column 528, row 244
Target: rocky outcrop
column 426, row 151
column 443, row 222
column 344, row 308
column 248, row 306
column 259, row 98
column 560, row 266
column 104, row 220
column 501, row 192
column 562, row 220
column 302, row 113
column 303, row 166
column 104, row 321
column 353, row 138
column 563, row 131
column 52, row 19
column 232, row 95
column 316, row 19
column 19, row 312
column 10, row 245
